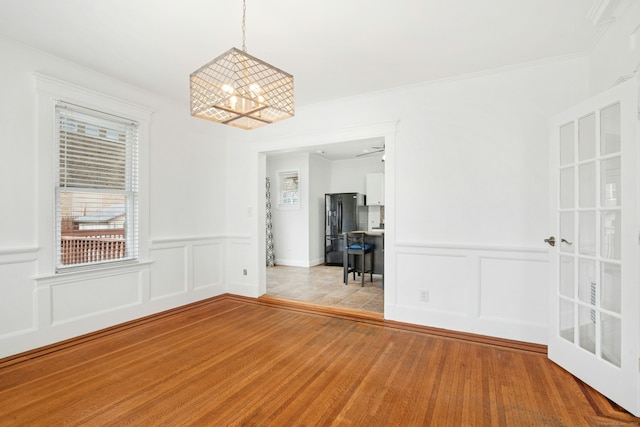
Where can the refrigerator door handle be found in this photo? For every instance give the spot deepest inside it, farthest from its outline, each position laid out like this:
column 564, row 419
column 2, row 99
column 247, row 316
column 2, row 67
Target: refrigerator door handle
column 340, row 216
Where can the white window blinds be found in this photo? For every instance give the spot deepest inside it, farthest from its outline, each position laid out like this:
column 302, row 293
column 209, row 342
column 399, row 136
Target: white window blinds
column 96, row 187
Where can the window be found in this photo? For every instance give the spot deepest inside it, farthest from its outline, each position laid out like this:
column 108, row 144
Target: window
column 96, row 195
column 288, row 189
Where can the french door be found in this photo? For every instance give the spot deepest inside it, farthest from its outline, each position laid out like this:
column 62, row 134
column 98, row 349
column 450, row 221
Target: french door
column 594, row 326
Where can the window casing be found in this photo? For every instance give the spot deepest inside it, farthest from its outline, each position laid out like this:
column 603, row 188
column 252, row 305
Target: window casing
column 96, row 187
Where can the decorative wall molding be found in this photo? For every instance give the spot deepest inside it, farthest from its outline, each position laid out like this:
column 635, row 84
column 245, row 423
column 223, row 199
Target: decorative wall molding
column 239, row 252
column 170, row 277
column 76, row 300
column 18, row 255
column 470, row 247
column 601, row 11
column 470, row 288
column 189, row 264
column 183, row 240
column 110, row 270
column 17, row 307
column 603, row 14
column 207, row 265
column 238, row 237
column 180, row 271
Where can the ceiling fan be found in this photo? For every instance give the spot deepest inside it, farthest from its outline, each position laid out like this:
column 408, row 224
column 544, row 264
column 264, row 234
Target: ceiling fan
column 374, row 150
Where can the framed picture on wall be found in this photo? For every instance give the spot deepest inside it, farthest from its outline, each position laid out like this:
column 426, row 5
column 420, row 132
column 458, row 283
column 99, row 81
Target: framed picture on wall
column 289, row 189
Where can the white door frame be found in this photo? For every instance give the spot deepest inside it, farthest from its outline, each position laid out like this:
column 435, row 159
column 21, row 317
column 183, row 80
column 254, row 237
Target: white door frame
column 386, row 130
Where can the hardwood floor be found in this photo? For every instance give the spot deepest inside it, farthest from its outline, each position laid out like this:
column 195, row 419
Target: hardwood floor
column 255, row 362
column 323, row 285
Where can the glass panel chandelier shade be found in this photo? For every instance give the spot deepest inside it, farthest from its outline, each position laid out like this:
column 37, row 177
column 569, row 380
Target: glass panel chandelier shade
column 240, row 90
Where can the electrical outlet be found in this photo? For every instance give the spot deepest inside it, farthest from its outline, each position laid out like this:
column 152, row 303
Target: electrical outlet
column 424, row 295
column 244, row 272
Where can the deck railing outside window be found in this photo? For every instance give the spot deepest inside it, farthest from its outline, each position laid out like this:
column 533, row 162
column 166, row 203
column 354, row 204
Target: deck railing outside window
column 86, row 246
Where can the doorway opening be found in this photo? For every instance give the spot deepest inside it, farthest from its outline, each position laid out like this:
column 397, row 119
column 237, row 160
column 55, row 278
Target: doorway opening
column 300, row 273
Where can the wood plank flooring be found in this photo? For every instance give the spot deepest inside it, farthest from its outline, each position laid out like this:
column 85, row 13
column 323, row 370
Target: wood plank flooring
column 232, row 361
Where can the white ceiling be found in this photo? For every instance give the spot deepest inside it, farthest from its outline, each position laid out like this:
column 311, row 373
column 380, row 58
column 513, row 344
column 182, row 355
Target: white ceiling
column 333, row 48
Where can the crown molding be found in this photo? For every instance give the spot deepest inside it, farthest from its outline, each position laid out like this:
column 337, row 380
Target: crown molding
column 601, row 11
column 603, row 14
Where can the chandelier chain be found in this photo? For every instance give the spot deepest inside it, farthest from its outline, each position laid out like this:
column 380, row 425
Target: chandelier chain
column 244, row 25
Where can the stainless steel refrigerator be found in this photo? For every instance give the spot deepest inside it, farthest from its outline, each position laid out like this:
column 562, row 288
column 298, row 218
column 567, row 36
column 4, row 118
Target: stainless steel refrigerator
column 343, row 212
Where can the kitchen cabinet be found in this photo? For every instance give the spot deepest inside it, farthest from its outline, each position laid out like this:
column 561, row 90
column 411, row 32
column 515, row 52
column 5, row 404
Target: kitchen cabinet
column 375, row 189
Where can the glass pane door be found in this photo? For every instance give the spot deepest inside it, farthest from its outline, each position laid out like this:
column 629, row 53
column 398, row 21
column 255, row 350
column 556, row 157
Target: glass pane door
column 594, row 323
column 590, row 184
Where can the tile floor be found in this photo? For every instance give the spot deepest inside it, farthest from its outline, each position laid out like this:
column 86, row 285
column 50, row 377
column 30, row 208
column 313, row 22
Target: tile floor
column 323, row 285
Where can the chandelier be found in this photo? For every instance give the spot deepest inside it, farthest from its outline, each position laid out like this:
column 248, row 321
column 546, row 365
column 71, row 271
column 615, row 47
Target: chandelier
column 240, row 90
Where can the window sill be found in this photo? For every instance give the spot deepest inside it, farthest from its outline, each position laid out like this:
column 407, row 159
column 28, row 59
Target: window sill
column 91, row 273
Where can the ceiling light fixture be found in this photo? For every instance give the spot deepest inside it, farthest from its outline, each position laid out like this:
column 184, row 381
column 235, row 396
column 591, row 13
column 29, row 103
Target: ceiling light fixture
column 240, row 90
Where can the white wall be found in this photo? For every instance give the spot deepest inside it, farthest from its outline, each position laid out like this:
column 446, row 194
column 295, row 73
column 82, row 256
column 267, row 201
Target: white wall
column 184, row 246
column 349, row 176
column 290, row 225
column 244, row 218
column 319, row 179
column 466, row 186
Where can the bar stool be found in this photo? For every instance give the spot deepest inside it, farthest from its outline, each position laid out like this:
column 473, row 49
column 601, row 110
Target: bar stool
column 360, row 251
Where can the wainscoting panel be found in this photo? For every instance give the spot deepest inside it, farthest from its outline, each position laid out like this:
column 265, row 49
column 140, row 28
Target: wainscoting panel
column 241, row 272
column 17, row 268
column 514, row 290
column 74, row 300
column 433, row 281
column 207, row 265
column 40, row 308
column 191, row 267
column 169, row 271
column 487, row 290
